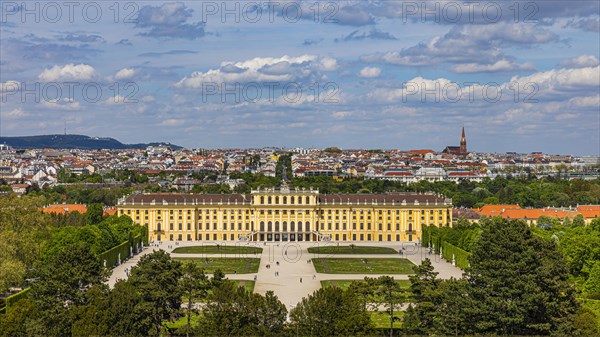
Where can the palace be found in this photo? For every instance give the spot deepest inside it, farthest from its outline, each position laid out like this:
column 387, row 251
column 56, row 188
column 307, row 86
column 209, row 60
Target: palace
column 284, row 214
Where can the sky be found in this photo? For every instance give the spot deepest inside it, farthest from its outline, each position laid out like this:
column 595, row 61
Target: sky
column 518, row 75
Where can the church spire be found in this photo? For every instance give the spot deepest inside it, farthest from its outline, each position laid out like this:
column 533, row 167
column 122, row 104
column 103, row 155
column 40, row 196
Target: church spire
column 463, row 142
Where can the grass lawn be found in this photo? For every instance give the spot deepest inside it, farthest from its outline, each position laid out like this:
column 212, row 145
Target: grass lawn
column 344, row 284
column 381, row 319
column 182, row 322
column 228, row 265
column 221, row 249
column 324, row 250
column 247, row 284
column 363, row 266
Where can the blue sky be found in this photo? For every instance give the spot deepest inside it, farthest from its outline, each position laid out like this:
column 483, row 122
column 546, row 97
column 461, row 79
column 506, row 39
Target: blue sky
column 353, row 74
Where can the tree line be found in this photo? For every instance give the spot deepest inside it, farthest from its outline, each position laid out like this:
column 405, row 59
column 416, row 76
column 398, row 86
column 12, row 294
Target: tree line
column 517, row 284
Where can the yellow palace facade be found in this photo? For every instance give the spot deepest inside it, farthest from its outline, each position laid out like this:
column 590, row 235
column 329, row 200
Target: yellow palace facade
column 286, row 214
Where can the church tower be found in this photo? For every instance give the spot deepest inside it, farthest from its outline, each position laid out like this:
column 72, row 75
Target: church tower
column 463, row 142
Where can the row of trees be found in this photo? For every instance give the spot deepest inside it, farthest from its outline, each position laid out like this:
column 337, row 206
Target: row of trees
column 517, row 284
column 28, row 236
column 70, row 298
column 525, row 191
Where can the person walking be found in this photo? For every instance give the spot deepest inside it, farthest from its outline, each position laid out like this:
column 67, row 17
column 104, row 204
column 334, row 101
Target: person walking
column 301, row 280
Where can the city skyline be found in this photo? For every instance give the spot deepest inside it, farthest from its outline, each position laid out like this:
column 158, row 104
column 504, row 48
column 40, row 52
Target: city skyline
column 372, row 74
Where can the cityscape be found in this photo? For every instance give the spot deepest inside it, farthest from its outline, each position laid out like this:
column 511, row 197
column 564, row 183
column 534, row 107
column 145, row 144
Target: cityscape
column 300, row 168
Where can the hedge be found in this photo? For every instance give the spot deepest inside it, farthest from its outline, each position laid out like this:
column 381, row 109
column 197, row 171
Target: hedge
column 12, row 299
column 461, row 257
column 115, row 255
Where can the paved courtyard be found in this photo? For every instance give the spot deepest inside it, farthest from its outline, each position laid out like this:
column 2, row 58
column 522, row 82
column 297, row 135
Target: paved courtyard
column 290, row 275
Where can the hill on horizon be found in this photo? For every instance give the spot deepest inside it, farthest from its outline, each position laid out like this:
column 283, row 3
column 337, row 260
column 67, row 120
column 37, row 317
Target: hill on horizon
column 75, row 142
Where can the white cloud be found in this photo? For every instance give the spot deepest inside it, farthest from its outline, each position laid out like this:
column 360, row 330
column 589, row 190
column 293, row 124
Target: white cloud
column 65, row 104
column 472, row 48
column 125, row 73
column 15, row 113
column 9, row 87
column 586, row 101
column 342, row 114
column 118, row 99
column 501, row 65
column 69, row 72
column 581, row 61
column 262, row 69
column 172, row 122
column 562, row 80
column 370, row 72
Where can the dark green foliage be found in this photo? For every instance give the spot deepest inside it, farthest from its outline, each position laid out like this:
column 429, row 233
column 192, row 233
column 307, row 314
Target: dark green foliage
column 233, row 311
column 580, row 246
column 586, row 323
column 392, row 296
column 94, row 214
column 462, row 235
column 12, row 323
column 518, row 282
column 194, row 285
column 424, row 288
column 592, row 284
column 111, row 232
column 156, row 278
column 62, row 283
column 331, row 311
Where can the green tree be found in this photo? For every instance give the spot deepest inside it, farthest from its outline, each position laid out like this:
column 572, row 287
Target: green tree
column 364, row 289
column 331, row 311
column 592, row 284
column 392, row 296
column 454, row 308
column 194, row 286
column 586, row 323
column 156, row 277
column 578, row 220
column 93, row 317
column 129, row 315
column 14, row 322
column 519, row 282
column 61, row 284
column 424, row 286
column 94, row 214
column 237, row 312
column 23, row 230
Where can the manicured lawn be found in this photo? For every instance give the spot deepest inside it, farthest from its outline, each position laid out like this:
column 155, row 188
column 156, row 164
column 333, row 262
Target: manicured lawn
column 363, row 266
column 247, row 284
column 221, row 249
column 381, row 319
column 344, row 284
column 324, row 250
column 182, row 322
column 226, row 264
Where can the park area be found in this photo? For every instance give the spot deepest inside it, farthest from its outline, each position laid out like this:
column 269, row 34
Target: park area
column 226, row 265
column 387, row 266
column 218, row 249
column 344, row 284
column 351, row 249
